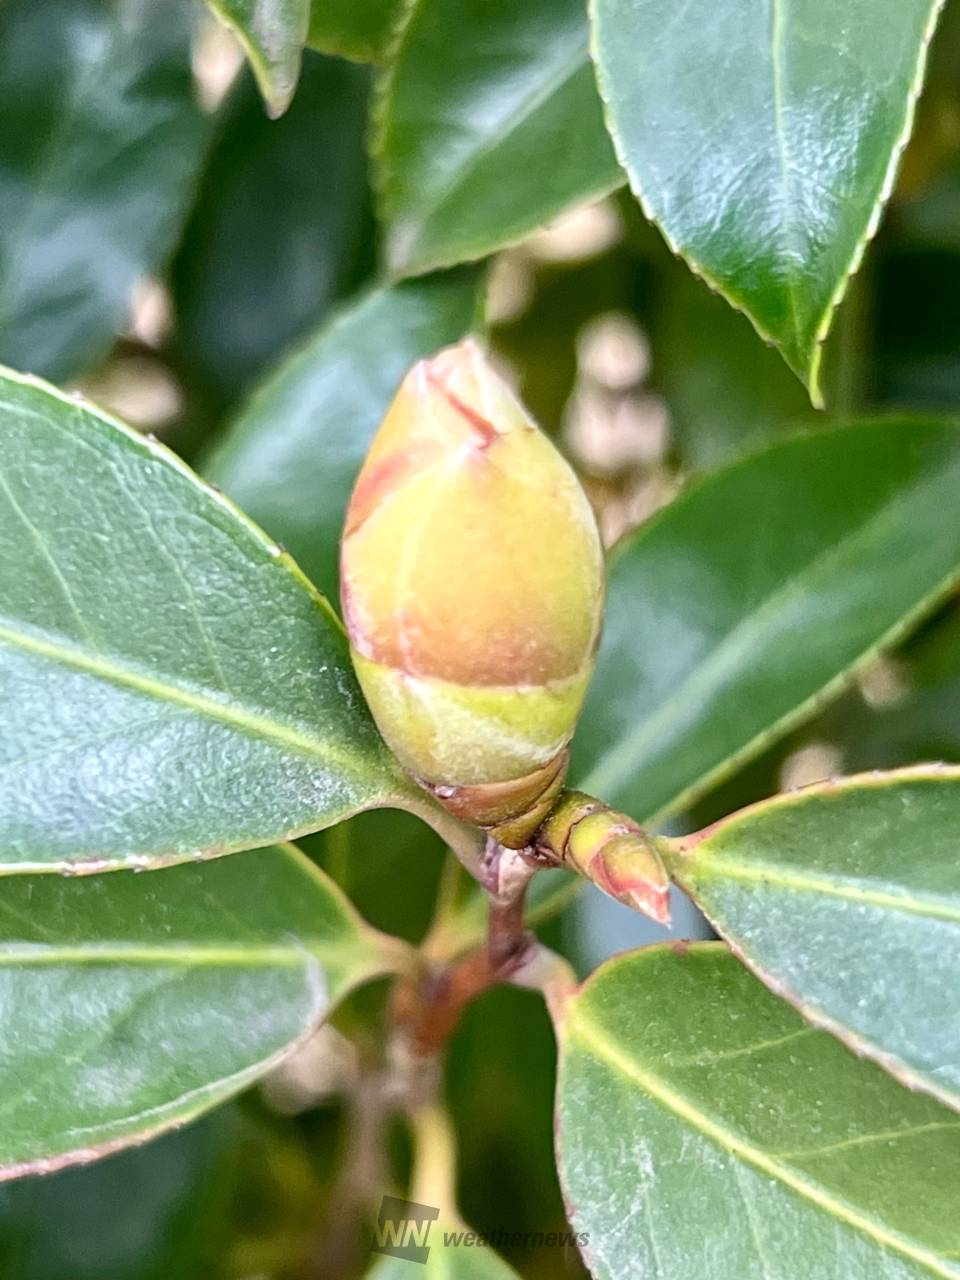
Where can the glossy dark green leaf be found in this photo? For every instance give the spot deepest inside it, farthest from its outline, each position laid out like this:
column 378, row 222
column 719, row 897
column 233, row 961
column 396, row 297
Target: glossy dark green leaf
column 763, row 138
column 278, row 230
column 273, row 33
column 705, row 1130
column 151, row 1213
column 134, row 1003
column 361, row 29
column 291, row 457
column 100, row 145
column 740, row 608
column 489, row 124
column 845, row 898
column 170, row 683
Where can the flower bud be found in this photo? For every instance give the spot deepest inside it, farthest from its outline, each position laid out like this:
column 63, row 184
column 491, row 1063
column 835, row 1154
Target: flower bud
column 472, row 588
column 609, row 849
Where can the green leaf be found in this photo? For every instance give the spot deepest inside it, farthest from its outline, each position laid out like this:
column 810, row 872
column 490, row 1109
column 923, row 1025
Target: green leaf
column 705, row 1130
column 735, row 126
column 150, row 1213
column 489, row 125
column 101, row 142
column 742, row 606
column 361, row 29
column 135, row 1003
column 294, row 452
column 845, row 899
column 273, row 33
column 170, row 683
column 272, row 242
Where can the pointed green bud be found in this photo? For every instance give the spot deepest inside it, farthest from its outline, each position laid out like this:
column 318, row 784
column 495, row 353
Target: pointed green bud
column 609, row 849
column 472, row 588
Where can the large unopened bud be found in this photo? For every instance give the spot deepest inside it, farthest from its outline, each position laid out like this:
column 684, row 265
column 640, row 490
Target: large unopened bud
column 472, row 585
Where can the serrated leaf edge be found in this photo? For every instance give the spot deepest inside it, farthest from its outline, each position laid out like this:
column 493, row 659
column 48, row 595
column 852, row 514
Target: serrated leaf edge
column 574, row 1024
column 810, row 376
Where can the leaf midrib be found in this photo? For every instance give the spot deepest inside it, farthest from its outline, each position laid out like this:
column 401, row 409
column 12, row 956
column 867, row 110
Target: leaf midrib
column 720, row 867
column 595, row 1040
column 251, row 723
column 793, row 251
column 255, row 957
column 616, row 765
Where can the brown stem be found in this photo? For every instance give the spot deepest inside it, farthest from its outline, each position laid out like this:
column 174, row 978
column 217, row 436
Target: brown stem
column 426, row 1013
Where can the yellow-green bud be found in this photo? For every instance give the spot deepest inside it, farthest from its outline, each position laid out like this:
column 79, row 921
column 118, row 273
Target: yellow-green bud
column 472, row 588
column 611, row 850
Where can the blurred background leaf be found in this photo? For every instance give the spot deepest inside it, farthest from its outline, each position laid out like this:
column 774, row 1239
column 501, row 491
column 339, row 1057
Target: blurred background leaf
column 101, row 143
column 280, row 230
column 272, row 33
column 158, row 1212
column 720, row 633
column 361, row 29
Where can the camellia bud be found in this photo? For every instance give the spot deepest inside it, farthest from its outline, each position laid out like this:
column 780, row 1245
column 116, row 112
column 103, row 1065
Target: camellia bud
column 472, row 588
column 609, row 849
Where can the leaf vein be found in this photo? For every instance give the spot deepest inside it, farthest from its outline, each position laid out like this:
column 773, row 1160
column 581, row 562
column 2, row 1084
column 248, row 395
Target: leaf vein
column 598, row 1042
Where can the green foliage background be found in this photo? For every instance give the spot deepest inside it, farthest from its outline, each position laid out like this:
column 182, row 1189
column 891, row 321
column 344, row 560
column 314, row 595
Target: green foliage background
column 250, row 290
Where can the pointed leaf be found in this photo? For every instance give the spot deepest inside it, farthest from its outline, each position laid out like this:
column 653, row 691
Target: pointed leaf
column 763, row 138
column 273, row 33
column 489, row 125
column 726, row 393
column 845, row 898
column 705, row 1130
column 740, row 608
column 295, row 450
column 170, row 683
column 134, row 1003
column 101, row 141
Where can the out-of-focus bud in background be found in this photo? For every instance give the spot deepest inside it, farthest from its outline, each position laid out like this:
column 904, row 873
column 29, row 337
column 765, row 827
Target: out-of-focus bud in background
column 472, row 586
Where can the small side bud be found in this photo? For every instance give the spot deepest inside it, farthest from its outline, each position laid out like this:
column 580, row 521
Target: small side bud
column 609, row 849
column 472, row 590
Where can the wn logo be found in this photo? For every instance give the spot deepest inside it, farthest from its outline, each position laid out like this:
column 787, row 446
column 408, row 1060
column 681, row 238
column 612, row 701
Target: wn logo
column 403, row 1229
